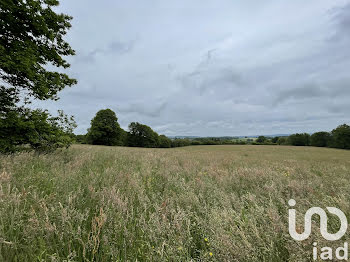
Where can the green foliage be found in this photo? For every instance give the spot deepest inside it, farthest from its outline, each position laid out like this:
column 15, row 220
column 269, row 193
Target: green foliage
column 196, row 143
column 299, row 139
column 320, row 139
column 80, row 139
column 31, row 38
column 341, row 137
column 104, row 129
column 180, row 142
column 164, row 142
column 123, row 138
column 142, row 136
column 35, row 129
column 282, row 140
column 274, row 139
column 261, row 139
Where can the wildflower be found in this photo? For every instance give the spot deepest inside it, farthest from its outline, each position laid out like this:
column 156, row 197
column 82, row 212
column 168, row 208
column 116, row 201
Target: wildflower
column 210, row 254
column 206, row 239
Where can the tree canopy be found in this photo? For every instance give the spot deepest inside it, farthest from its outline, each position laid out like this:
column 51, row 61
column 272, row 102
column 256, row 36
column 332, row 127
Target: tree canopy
column 105, row 129
column 142, row 136
column 341, row 137
column 299, row 139
column 31, row 37
column 261, row 139
column 320, row 139
column 31, row 41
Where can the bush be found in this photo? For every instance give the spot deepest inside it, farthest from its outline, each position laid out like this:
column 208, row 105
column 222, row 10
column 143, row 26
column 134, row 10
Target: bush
column 274, row 139
column 320, row 139
column 261, row 139
column 180, row 142
column 164, row 142
column 282, row 140
column 35, row 129
column 80, row 139
column 341, row 137
column 299, row 139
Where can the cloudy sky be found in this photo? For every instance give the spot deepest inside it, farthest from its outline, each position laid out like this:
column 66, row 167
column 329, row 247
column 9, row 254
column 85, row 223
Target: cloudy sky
column 210, row 68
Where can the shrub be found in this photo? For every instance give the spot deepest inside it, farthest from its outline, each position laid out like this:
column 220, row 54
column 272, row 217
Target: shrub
column 299, row 139
column 341, row 137
column 320, row 139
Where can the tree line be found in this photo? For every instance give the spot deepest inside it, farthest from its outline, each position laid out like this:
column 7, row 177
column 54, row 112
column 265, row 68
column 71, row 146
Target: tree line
column 105, row 130
column 337, row 138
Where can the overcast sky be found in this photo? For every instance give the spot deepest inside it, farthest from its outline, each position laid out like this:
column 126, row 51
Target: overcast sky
column 210, row 68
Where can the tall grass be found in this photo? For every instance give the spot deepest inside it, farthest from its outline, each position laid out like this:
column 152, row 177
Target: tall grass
column 204, row 203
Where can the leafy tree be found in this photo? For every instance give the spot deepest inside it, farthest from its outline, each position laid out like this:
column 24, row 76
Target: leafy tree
column 341, row 137
column 37, row 129
column 261, row 139
column 299, row 139
column 320, row 139
column 80, row 139
column 104, row 129
column 142, row 136
column 31, row 37
column 123, row 138
column 282, row 140
column 274, row 139
column 164, row 142
column 181, row 142
column 196, row 143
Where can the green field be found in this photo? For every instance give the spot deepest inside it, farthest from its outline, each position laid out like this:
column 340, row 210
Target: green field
column 200, row 203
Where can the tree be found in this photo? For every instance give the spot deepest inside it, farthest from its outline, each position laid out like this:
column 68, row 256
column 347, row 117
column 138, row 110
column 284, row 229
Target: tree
column 274, row 139
column 178, row 142
column 104, row 129
column 261, row 139
column 123, row 138
column 164, row 142
column 80, row 139
column 142, row 136
column 341, row 137
column 31, row 38
column 320, row 139
column 37, row 129
column 282, row 140
column 299, row 139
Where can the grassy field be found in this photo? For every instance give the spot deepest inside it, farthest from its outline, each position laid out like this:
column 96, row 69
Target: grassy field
column 201, row 203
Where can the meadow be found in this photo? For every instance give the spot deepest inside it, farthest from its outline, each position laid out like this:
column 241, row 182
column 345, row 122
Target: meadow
column 198, row 203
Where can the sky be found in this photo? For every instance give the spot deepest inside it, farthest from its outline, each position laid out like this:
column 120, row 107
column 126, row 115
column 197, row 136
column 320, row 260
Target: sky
column 210, row 68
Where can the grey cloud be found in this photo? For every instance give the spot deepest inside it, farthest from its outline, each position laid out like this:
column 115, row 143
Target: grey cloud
column 142, row 109
column 341, row 18
column 339, row 107
column 310, row 91
column 114, row 48
column 210, row 75
column 329, row 89
column 212, row 79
